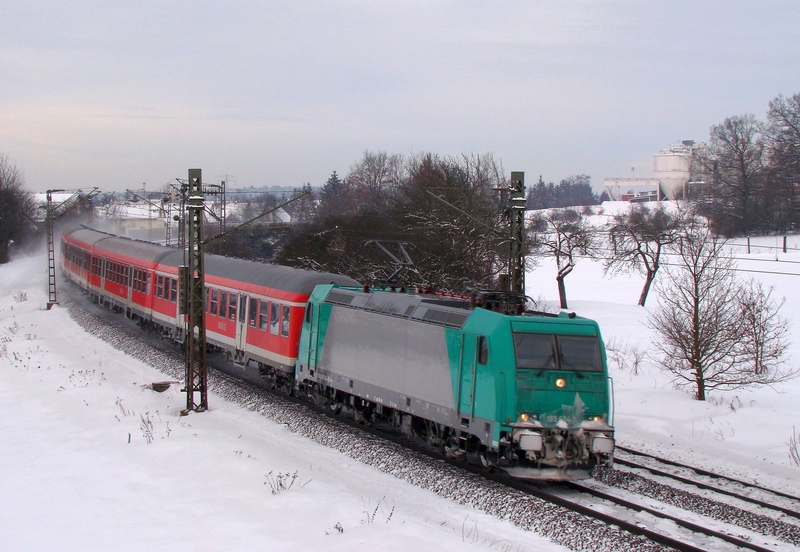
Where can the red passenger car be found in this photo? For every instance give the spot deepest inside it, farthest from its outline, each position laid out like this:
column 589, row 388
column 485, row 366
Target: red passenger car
column 254, row 311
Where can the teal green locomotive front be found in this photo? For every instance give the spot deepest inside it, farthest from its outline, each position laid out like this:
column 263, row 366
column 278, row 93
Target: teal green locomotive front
column 528, row 394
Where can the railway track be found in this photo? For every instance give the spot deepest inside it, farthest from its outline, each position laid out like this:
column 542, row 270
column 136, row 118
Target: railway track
column 744, row 486
column 687, row 532
column 741, row 509
column 635, row 518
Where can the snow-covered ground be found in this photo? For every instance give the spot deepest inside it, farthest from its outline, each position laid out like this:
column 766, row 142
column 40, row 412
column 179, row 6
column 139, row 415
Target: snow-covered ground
column 77, row 471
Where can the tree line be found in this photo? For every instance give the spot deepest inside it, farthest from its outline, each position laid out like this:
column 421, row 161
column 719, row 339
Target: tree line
column 447, row 212
column 746, row 178
column 572, row 191
column 17, row 208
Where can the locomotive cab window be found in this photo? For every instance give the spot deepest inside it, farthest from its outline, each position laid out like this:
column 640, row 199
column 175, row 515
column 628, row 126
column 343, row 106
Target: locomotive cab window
column 483, row 349
column 580, row 353
column 535, row 351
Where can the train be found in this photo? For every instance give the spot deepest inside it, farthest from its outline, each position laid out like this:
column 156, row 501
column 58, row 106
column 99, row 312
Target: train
column 478, row 377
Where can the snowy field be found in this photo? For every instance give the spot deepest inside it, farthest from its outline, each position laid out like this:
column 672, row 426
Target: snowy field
column 77, row 471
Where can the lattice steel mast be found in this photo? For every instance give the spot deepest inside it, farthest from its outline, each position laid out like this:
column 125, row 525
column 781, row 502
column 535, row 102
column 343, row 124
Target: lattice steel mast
column 194, row 294
column 52, row 212
column 52, row 299
column 516, row 202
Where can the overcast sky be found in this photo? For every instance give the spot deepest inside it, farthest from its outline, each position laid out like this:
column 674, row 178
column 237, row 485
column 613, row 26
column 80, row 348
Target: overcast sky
column 116, row 94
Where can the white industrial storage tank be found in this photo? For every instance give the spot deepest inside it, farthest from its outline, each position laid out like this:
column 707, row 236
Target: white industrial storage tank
column 672, row 168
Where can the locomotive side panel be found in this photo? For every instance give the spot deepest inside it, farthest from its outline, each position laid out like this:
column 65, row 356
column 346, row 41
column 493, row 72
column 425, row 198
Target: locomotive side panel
column 398, row 362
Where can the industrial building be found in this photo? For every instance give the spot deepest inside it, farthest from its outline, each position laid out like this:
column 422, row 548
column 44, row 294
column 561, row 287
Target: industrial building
column 671, row 177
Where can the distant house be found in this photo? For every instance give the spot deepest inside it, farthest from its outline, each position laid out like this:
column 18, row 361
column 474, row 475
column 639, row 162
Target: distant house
column 135, row 219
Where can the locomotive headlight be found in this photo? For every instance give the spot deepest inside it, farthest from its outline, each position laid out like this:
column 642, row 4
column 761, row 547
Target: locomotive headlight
column 561, row 383
column 523, row 417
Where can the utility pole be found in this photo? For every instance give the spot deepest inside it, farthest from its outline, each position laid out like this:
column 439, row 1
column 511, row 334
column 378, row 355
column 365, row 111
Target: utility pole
column 51, row 252
column 516, row 203
column 193, row 287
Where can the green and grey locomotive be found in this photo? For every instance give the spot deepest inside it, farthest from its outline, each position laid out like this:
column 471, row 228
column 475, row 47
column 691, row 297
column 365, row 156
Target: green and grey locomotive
column 527, row 393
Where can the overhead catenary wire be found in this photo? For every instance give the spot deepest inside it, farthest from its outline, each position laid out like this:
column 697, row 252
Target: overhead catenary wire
column 733, row 269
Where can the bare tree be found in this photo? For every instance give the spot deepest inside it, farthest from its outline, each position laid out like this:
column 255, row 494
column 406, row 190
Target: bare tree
column 782, row 144
column 783, row 136
column 764, row 330
column 715, row 332
column 638, row 239
column 374, row 181
column 16, row 207
column 563, row 234
column 794, row 448
column 733, row 162
column 303, row 209
column 454, row 233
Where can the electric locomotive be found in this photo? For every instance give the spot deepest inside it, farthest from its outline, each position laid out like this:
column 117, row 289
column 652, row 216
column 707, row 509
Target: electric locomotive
column 523, row 392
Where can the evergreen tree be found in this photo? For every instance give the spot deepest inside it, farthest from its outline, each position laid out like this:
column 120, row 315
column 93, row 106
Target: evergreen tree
column 333, row 198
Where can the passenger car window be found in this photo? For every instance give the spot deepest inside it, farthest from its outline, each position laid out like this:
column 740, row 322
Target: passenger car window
column 214, row 300
column 274, row 315
column 232, row 306
column 263, row 315
column 253, row 314
column 223, row 303
column 285, row 321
